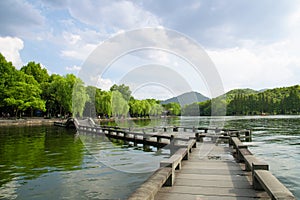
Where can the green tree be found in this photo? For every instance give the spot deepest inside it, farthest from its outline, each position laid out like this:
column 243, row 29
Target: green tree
column 8, row 77
column 90, row 105
column 119, row 104
column 24, row 94
column 79, row 98
column 61, row 89
column 103, row 101
column 191, row 109
column 123, row 89
column 173, row 108
column 34, row 69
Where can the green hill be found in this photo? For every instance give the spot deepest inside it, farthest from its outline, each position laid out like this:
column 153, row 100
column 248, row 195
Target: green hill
column 229, row 96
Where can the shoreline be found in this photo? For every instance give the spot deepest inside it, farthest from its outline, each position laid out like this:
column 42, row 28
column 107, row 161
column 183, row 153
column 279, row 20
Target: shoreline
column 41, row 121
column 27, row 122
column 36, row 121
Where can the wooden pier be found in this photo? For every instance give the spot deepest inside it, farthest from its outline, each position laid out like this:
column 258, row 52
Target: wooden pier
column 205, row 163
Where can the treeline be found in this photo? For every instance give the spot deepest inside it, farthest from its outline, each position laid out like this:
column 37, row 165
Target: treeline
column 274, row 101
column 284, row 100
column 31, row 91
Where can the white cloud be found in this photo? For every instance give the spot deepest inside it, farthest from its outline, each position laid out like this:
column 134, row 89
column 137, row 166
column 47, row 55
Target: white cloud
column 105, row 84
column 19, row 18
column 261, row 64
column 10, row 48
column 71, row 38
column 112, row 16
column 258, row 66
column 73, row 68
column 79, row 52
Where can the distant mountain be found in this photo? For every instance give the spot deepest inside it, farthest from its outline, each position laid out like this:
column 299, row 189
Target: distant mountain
column 186, row 98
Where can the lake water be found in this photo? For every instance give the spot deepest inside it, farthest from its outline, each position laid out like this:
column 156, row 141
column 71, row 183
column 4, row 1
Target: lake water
column 47, row 162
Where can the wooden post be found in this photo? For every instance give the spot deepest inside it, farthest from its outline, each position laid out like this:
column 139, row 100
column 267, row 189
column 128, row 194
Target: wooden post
column 258, row 166
column 197, row 137
column 158, row 139
column 134, row 138
column 172, row 145
column 248, row 136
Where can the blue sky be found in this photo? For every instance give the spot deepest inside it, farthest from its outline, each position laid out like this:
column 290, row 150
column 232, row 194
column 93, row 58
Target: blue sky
column 253, row 44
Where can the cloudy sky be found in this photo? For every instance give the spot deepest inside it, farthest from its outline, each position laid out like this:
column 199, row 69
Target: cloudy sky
column 253, row 44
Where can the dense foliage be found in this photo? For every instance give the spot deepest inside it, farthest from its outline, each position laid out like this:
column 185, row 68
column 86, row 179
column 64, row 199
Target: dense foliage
column 31, row 91
column 284, row 100
column 275, row 101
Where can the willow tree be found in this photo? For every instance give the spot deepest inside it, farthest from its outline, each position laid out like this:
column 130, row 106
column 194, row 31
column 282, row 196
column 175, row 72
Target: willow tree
column 103, row 103
column 79, row 98
column 119, row 104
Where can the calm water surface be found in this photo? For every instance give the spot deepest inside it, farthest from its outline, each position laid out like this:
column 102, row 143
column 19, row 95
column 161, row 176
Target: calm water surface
column 47, row 162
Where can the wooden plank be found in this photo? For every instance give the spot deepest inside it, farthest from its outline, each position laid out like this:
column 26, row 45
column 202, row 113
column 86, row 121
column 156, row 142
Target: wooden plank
column 216, row 191
column 178, row 196
column 210, row 177
column 205, row 178
column 245, row 184
column 213, row 171
column 211, row 165
column 272, row 185
column 149, row 189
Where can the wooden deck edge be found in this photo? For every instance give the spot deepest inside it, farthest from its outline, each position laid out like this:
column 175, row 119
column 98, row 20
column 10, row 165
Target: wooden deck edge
column 149, row 189
column 165, row 176
column 262, row 179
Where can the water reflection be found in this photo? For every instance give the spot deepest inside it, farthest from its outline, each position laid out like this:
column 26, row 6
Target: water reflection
column 51, row 163
column 48, row 162
column 30, row 152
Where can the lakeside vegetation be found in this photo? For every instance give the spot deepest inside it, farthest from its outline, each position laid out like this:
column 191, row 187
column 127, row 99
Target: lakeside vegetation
column 283, row 101
column 31, row 91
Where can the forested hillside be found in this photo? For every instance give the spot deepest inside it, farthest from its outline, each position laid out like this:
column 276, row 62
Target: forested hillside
column 285, row 100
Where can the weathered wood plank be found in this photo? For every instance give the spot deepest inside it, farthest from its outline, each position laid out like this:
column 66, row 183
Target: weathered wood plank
column 213, row 176
column 272, row 185
column 211, row 165
column 210, row 177
column 177, row 196
column 209, row 191
column 213, row 183
column 228, row 172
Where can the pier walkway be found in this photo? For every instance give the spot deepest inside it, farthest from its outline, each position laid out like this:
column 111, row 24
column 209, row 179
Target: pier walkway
column 204, row 163
column 214, row 175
